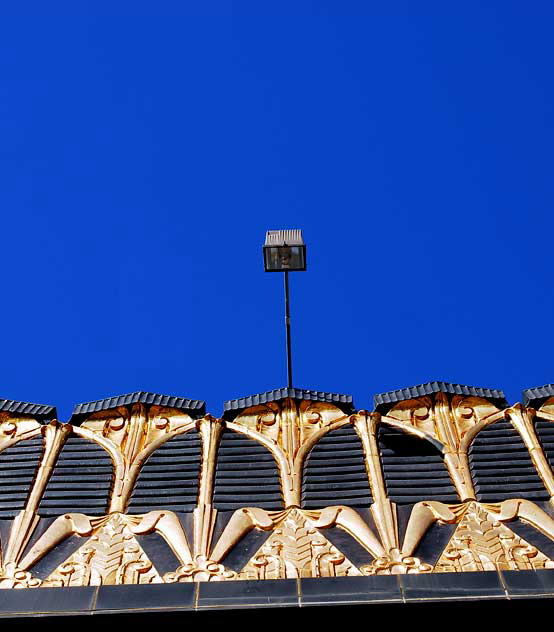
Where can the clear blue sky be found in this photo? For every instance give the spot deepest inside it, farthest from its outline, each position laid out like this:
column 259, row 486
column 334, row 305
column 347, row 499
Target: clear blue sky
column 144, row 152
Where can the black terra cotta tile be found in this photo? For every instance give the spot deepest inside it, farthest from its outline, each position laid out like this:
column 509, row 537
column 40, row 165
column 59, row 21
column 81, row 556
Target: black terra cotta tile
column 335, row 590
column 485, row 584
column 146, row 597
column 47, row 600
column 243, row 594
column 529, row 583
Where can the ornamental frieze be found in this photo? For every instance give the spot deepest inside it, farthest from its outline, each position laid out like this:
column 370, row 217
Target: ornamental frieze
column 145, row 488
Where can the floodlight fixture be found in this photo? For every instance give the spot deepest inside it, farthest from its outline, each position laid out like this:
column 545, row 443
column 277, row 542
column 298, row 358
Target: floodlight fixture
column 285, row 251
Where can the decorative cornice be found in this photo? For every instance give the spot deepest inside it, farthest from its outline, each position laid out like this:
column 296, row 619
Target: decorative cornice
column 384, row 400
column 261, row 493
column 537, row 395
column 196, row 408
column 41, row 412
column 234, row 406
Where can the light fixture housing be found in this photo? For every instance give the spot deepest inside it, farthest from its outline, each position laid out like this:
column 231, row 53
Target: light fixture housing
column 284, row 250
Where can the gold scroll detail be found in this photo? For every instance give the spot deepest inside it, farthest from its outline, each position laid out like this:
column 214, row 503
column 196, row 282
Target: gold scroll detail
column 289, row 430
column 14, row 578
column 14, row 429
column 482, row 543
column 294, row 549
column 450, row 422
column 395, row 563
column 201, row 570
column 111, row 556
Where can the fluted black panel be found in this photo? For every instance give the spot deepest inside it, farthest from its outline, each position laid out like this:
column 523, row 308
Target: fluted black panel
column 414, row 469
column 335, row 472
column 501, row 466
column 18, row 465
column 81, row 480
column 246, row 475
column 545, row 432
column 169, row 479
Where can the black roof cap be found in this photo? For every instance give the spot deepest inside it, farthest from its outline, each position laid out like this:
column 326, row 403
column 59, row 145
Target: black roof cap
column 384, row 401
column 195, row 408
column 41, row 412
column 538, row 395
column 233, row 407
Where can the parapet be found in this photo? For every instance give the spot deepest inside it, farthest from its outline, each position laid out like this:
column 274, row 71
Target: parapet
column 292, row 497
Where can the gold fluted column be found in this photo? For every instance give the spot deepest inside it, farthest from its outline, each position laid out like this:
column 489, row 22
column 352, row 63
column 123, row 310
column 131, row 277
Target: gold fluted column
column 455, row 459
column 204, row 515
column 55, row 435
column 383, row 510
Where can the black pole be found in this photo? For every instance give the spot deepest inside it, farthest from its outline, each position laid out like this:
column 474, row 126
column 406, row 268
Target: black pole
column 287, row 326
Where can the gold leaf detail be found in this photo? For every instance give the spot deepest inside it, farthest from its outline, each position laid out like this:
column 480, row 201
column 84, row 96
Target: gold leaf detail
column 297, row 549
column 482, row 543
column 111, row 556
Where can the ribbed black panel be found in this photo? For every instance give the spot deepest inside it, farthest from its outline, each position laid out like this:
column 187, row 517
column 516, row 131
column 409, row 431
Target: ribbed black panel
column 169, row 479
column 81, row 480
column 501, row 466
column 246, row 475
column 335, row 472
column 545, row 432
column 18, row 465
column 414, row 469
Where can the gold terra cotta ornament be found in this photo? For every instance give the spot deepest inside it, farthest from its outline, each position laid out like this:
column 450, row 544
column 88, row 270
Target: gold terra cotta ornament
column 297, row 544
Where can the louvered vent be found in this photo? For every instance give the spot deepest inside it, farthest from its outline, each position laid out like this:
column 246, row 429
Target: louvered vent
column 169, row 478
column 414, row 469
column 18, row 465
column 335, row 472
column 246, row 475
column 81, row 480
column 501, row 466
column 545, row 432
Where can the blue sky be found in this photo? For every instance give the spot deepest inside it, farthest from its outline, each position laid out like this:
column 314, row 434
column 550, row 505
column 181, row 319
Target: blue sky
column 144, row 153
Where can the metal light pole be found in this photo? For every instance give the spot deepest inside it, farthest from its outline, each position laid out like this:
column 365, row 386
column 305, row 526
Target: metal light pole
column 285, row 251
column 287, row 328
